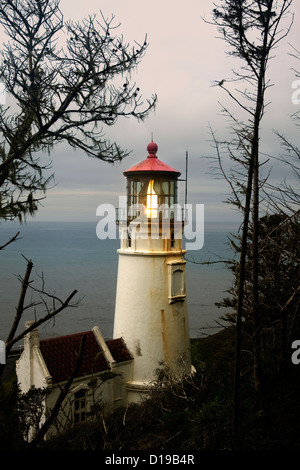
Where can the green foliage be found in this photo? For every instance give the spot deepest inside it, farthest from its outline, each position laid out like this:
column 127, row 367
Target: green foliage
column 30, row 411
column 10, row 436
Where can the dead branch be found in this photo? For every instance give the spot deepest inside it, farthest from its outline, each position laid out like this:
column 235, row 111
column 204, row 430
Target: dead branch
column 11, row 240
column 50, row 315
column 20, row 307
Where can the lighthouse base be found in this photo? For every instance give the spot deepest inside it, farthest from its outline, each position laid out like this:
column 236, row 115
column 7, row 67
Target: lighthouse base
column 136, row 391
column 151, row 313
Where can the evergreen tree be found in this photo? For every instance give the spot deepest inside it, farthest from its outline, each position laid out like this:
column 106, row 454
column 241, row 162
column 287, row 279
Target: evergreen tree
column 251, row 28
column 279, row 292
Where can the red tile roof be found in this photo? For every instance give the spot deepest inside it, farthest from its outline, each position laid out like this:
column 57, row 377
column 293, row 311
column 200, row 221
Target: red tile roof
column 60, row 355
column 152, row 163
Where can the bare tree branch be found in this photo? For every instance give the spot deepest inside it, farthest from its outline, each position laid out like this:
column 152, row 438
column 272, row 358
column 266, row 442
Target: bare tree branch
column 62, row 95
column 51, row 312
column 37, row 323
column 11, row 240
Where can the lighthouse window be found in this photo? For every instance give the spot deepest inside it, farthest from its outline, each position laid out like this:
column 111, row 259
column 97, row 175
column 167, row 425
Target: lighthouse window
column 177, row 282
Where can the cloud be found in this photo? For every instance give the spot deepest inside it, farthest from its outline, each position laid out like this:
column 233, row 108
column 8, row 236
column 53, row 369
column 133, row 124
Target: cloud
column 184, row 57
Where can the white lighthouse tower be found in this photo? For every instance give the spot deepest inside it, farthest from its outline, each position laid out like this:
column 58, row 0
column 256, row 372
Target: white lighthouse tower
column 151, row 312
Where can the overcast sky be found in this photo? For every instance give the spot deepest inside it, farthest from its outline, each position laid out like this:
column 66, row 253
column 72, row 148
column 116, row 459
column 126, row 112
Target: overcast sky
column 183, row 59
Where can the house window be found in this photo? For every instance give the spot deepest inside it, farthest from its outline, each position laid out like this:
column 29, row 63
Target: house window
column 177, row 282
column 80, row 406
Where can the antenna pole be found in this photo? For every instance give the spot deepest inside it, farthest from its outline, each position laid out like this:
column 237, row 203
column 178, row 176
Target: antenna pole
column 186, row 175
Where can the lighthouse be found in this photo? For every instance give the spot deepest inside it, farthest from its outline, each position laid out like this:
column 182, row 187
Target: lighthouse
column 151, row 311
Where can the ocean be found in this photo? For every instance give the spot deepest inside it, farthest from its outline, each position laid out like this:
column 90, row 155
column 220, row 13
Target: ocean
column 69, row 255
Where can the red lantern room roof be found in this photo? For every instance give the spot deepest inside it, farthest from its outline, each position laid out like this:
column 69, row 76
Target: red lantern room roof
column 152, row 164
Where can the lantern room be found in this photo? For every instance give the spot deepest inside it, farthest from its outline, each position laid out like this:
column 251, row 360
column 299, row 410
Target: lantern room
column 151, row 186
column 151, row 202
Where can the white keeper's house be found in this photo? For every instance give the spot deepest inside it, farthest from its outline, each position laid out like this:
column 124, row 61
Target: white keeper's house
column 151, row 324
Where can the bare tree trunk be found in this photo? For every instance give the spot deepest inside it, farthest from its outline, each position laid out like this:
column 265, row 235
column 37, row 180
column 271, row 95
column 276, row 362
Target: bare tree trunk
column 261, row 88
column 20, row 307
column 240, row 301
column 255, row 281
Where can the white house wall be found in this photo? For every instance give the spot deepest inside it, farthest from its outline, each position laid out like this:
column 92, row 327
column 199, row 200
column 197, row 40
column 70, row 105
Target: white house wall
column 110, row 393
column 31, row 369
